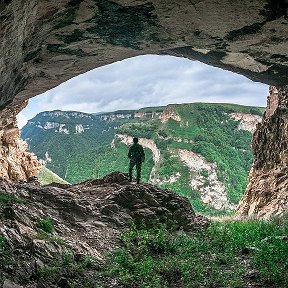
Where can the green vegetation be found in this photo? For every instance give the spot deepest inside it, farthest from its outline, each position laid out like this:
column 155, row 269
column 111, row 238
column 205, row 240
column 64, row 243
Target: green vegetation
column 226, row 254
column 74, row 156
column 212, row 133
column 204, row 173
column 46, row 224
column 46, row 176
column 66, row 266
column 9, row 198
column 41, row 234
column 140, row 129
column 220, row 256
column 216, row 137
column 5, row 252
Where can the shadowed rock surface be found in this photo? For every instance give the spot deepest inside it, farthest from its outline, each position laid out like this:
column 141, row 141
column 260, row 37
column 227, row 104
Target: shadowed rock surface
column 87, row 217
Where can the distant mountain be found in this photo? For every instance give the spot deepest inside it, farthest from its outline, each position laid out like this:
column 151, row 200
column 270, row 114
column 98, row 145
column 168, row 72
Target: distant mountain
column 200, row 150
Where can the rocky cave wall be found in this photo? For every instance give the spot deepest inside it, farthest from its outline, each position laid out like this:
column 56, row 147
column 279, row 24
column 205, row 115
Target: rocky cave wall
column 16, row 162
column 44, row 43
column 267, row 191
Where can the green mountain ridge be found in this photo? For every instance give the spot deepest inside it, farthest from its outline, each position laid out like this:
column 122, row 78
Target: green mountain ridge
column 197, row 149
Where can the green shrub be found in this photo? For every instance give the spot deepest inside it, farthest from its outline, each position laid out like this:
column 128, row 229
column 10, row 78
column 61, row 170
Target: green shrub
column 9, row 198
column 66, row 266
column 5, row 252
column 211, row 257
column 207, row 258
column 204, row 173
column 46, row 225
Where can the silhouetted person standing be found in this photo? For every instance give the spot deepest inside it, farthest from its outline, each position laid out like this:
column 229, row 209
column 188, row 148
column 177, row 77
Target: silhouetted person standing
column 137, row 156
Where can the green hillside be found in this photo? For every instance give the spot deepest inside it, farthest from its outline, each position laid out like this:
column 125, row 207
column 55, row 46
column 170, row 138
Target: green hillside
column 93, row 149
column 73, row 155
column 46, row 176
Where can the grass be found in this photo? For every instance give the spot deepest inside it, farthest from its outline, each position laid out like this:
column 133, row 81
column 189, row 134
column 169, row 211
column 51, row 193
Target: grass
column 205, row 258
column 8, row 198
column 46, row 176
column 67, row 266
column 52, row 238
column 221, row 255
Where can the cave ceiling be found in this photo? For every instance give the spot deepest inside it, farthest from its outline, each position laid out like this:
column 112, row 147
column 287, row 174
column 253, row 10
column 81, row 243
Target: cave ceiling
column 44, row 43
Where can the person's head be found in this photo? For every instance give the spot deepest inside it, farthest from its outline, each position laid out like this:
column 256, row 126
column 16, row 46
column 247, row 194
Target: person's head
column 135, row 140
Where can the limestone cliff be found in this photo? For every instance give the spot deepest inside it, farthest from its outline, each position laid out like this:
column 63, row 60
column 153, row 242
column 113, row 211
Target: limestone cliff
column 212, row 191
column 267, row 191
column 16, row 163
column 169, row 113
column 248, row 122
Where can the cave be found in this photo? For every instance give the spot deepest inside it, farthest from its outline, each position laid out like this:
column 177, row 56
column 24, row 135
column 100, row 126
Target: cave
column 44, row 44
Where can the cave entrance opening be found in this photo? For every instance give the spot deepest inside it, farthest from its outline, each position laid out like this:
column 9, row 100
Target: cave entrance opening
column 194, row 120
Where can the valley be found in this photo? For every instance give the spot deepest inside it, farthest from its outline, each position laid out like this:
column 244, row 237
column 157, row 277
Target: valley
column 201, row 151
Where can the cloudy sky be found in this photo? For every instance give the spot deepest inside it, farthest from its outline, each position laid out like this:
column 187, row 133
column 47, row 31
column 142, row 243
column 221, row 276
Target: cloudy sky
column 147, row 81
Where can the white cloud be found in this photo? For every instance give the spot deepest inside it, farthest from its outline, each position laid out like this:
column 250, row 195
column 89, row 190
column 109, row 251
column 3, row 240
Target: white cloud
column 148, row 81
column 21, row 119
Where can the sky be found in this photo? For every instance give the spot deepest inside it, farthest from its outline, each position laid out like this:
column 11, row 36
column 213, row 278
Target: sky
column 144, row 81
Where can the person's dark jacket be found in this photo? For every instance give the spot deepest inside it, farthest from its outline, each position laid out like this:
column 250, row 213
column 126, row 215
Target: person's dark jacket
column 136, row 153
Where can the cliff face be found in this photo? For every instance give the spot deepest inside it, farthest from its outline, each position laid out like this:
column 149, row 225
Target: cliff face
column 267, row 190
column 212, row 191
column 169, row 113
column 16, row 163
column 248, row 122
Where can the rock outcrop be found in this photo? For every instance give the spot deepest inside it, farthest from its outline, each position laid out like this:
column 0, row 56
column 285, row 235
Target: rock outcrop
column 247, row 122
column 211, row 190
column 267, row 191
column 16, row 163
column 169, row 113
column 87, row 218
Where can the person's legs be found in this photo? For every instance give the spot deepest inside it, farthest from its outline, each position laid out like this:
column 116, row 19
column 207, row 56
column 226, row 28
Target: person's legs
column 138, row 169
column 131, row 165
